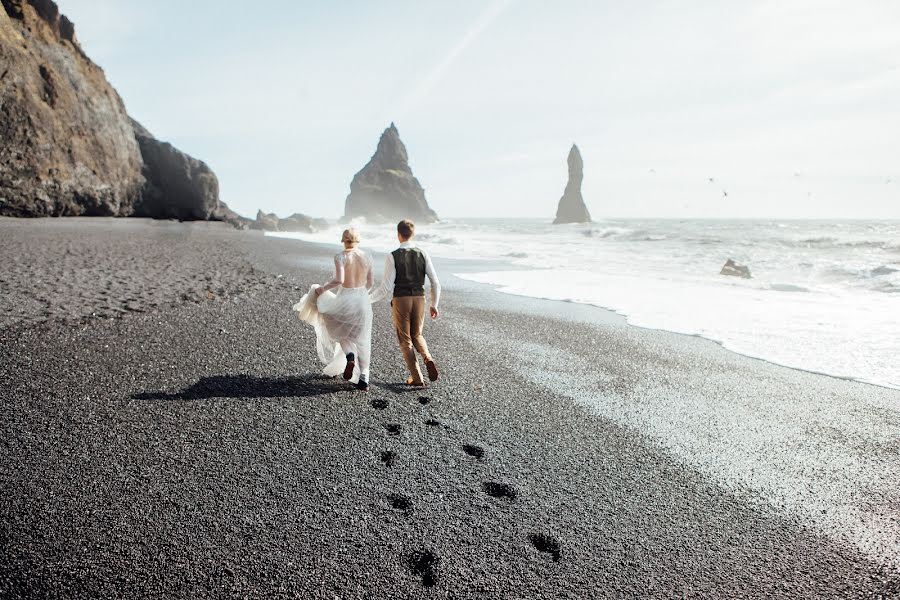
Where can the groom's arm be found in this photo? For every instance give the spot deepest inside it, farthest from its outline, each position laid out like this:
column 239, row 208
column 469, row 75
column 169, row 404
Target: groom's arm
column 387, row 280
column 433, row 279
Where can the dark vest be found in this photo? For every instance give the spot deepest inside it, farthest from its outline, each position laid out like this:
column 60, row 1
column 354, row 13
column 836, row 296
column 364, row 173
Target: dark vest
column 410, row 278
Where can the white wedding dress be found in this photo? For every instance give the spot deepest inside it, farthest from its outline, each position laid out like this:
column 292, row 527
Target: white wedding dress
column 342, row 319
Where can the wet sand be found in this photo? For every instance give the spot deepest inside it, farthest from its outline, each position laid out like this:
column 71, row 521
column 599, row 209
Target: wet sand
column 166, row 434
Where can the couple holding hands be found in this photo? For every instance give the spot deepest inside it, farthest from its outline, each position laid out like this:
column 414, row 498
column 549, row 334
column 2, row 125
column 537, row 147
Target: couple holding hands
column 340, row 311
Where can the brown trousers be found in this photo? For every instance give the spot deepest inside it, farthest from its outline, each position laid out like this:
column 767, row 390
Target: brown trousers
column 409, row 318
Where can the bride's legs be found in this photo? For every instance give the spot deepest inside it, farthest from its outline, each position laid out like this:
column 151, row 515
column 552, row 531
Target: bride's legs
column 364, row 347
column 363, row 352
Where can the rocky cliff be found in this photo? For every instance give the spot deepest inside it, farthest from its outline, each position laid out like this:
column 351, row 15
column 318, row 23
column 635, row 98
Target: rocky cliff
column 67, row 145
column 385, row 189
column 176, row 186
column 571, row 207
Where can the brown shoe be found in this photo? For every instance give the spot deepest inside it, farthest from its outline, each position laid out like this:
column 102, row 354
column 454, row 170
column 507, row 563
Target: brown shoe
column 351, row 363
column 432, row 370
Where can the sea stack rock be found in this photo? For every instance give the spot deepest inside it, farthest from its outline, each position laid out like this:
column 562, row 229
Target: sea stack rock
column 385, row 189
column 67, row 145
column 571, row 207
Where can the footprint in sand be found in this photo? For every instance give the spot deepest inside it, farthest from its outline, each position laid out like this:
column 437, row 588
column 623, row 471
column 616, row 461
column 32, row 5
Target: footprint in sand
column 379, row 403
column 423, row 400
column 499, row 490
column 424, row 563
column 392, row 428
column 400, row 502
column 546, row 543
column 474, row 451
column 389, row 457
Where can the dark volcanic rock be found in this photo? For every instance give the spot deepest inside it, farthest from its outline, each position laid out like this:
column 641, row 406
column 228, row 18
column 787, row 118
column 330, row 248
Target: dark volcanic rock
column 385, row 189
column 67, row 143
column 735, row 270
column 177, row 186
column 296, row 222
column 265, row 222
column 571, row 207
column 229, row 216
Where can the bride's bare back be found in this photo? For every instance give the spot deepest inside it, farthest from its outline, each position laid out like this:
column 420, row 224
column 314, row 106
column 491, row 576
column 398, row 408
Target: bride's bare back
column 352, row 269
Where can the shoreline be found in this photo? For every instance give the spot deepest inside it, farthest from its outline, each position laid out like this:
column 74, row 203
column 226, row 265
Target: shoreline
column 723, row 345
column 191, row 449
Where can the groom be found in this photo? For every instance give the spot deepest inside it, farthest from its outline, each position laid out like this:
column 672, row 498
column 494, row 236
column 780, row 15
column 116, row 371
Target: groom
column 405, row 270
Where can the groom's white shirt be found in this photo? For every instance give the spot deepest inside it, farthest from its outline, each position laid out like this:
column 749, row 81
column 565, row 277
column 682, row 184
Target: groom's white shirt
column 390, row 272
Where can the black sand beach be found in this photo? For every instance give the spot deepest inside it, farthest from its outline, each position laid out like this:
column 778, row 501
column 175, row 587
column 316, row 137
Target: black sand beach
column 165, row 434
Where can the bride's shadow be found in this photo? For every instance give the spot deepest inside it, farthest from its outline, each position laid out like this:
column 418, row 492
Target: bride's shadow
column 250, row 386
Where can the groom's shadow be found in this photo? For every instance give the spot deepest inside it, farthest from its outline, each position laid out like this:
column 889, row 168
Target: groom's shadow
column 398, row 388
column 249, row 386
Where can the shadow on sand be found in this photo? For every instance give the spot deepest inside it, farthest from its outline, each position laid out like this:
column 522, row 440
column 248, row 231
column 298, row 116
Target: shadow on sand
column 249, row 386
column 397, row 388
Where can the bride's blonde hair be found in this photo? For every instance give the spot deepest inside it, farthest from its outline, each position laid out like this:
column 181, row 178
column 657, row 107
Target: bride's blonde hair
column 350, row 238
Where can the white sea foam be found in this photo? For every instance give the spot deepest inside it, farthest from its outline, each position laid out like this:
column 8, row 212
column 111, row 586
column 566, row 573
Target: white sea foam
column 825, row 296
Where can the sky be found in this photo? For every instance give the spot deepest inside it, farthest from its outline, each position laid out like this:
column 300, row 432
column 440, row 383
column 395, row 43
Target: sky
column 704, row 108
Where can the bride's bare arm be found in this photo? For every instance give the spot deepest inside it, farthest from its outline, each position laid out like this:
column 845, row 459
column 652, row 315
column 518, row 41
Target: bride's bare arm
column 338, row 276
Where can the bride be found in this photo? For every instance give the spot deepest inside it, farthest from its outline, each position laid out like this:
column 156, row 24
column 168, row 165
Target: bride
column 342, row 319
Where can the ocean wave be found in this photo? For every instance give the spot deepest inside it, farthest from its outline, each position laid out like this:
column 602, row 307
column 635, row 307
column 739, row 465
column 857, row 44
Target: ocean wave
column 883, row 270
column 706, row 241
column 434, row 238
column 827, row 242
column 885, row 287
column 606, row 232
column 787, row 287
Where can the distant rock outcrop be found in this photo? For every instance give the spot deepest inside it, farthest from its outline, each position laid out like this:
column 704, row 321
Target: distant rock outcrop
column 297, row 222
column 302, row 223
column 265, row 221
column 385, row 189
column 68, row 145
column 571, row 207
column 733, row 269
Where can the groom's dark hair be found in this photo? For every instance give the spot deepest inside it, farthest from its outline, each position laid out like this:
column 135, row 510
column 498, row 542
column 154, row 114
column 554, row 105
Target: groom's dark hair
column 406, row 228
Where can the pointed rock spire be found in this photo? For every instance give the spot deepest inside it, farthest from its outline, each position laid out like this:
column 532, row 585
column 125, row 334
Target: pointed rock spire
column 385, row 189
column 571, row 207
